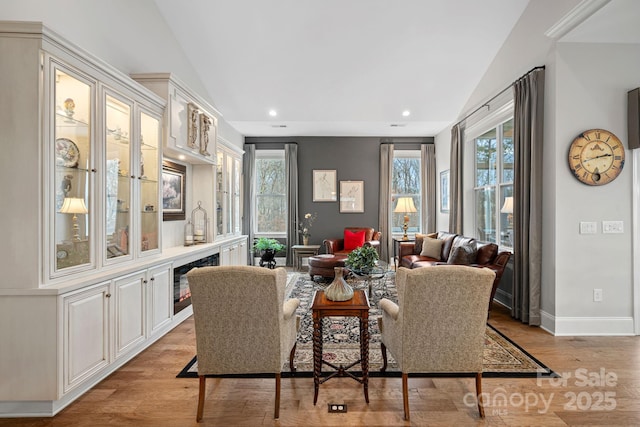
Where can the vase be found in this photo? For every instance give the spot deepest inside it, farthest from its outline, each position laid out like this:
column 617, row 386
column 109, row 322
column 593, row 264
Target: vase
column 305, row 240
column 339, row 289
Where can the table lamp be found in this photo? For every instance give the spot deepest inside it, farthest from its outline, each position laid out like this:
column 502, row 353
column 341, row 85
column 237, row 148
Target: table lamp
column 75, row 206
column 507, row 208
column 405, row 205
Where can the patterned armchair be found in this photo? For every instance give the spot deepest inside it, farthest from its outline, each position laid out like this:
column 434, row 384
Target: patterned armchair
column 243, row 325
column 438, row 325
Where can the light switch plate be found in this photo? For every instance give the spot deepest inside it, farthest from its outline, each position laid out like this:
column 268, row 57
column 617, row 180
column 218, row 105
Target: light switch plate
column 588, row 227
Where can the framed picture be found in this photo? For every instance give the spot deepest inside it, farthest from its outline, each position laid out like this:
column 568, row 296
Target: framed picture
column 444, row 191
column 173, row 191
column 351, row 196
column 324, row 186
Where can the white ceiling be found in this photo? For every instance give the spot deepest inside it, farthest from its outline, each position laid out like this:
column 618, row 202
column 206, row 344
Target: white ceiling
column 347, row 68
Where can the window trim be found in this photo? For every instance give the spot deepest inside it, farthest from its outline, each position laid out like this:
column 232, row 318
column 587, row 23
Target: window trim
column 413, row 153
column 269, row 154
column 499, row 119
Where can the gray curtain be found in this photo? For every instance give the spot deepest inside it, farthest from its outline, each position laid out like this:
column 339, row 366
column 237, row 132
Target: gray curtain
column 291, row 165
column 527, row 191
column 455, row 180
column 428, row 208
column 248, row 202
column 386, row 162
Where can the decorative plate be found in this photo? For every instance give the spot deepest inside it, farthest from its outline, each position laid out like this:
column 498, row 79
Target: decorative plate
column 67, row 153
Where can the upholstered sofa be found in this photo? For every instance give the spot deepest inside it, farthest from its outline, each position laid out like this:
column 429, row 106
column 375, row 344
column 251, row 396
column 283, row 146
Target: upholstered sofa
column 449, row 248
column 352, row 238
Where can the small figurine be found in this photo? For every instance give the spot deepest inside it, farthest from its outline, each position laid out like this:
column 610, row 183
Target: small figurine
column 69, row 107
column 66, row 185
column 205, row 124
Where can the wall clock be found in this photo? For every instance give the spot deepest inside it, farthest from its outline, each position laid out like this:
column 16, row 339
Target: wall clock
column 596, row 157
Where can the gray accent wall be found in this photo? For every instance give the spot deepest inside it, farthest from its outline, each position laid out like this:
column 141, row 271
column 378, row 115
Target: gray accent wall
column 354, row 159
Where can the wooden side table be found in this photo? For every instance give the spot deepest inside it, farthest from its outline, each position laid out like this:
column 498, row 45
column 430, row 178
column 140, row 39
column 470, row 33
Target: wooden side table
column 358, row 306
column 300, row 251
column 396, row 250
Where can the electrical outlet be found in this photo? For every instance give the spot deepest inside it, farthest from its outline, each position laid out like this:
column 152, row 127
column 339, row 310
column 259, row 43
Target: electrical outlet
column 612, row 227
column 597, row 295
column 337, row 408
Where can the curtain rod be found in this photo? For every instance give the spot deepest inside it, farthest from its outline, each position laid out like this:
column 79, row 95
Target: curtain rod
column 486, row 104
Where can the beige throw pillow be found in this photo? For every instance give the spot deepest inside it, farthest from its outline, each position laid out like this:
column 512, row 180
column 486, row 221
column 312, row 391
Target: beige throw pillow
column 432, row 248
column 417, row 245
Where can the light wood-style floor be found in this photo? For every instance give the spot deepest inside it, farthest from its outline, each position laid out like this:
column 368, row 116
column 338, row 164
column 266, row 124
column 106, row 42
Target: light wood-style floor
column 600, row 386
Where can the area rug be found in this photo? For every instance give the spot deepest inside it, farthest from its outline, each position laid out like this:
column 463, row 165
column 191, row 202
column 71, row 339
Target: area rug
column 502, row 357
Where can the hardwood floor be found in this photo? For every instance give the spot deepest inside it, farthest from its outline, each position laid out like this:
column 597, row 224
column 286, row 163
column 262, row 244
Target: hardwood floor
column 145, row 392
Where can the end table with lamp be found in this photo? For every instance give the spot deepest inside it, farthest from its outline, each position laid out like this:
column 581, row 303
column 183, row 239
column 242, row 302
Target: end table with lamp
column 405, row 205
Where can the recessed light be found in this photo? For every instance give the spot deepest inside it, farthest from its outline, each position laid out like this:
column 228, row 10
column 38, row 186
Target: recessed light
column 182, row 157
column 273, row 113
column 406, row 113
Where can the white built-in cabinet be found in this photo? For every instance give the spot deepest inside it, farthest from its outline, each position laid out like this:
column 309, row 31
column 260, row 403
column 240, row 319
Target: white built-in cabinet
column 86, row 284
column 234, row 253
column 124, row 311
column 87, row 326
column 191, row 124
column 103, row 151
column 216, row 170
column 228, row 212
column 160, row 297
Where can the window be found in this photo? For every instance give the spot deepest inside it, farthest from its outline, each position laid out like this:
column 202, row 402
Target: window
column 406, row 182
column 271, row 193
column 493, row 186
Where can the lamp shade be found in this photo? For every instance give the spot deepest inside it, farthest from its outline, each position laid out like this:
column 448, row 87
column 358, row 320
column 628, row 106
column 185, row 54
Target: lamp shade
column 508, row 205
column 405, row 205
column 73, row 205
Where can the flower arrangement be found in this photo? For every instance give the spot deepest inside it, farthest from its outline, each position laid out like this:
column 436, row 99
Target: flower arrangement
column 306, row 223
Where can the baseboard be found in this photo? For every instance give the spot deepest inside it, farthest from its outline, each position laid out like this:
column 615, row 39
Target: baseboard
column 587, row 326
column 503, row 298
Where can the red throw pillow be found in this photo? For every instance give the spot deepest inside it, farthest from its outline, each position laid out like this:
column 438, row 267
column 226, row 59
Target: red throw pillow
column 353, row 239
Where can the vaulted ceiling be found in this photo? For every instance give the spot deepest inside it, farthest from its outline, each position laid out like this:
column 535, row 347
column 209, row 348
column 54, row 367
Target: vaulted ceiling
column 343, row 67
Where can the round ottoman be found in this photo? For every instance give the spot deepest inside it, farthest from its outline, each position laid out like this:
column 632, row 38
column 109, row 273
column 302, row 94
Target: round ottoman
column 323, row 265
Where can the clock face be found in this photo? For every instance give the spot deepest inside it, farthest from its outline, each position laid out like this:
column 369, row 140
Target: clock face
column 596, row 157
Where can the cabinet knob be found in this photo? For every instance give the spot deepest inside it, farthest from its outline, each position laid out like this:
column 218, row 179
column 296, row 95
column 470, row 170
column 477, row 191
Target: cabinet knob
column 93, row 170
column 153, row 278
column 108, row 295
column 145, row 281
column 133, row 176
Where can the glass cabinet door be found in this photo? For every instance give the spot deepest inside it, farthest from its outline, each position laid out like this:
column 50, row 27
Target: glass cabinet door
column 119, row 172
column 219, row 193
column 228, row 195
column 73, row 152
column 236, row 196
column 149, row 177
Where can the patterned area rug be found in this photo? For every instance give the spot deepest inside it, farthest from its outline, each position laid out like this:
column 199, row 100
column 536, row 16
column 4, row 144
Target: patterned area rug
column 502, row 357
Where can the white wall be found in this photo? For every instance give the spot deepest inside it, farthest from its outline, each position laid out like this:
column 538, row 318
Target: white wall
column 132, row 36
column 525, row 48
column 586, row 86
column 592, row 84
